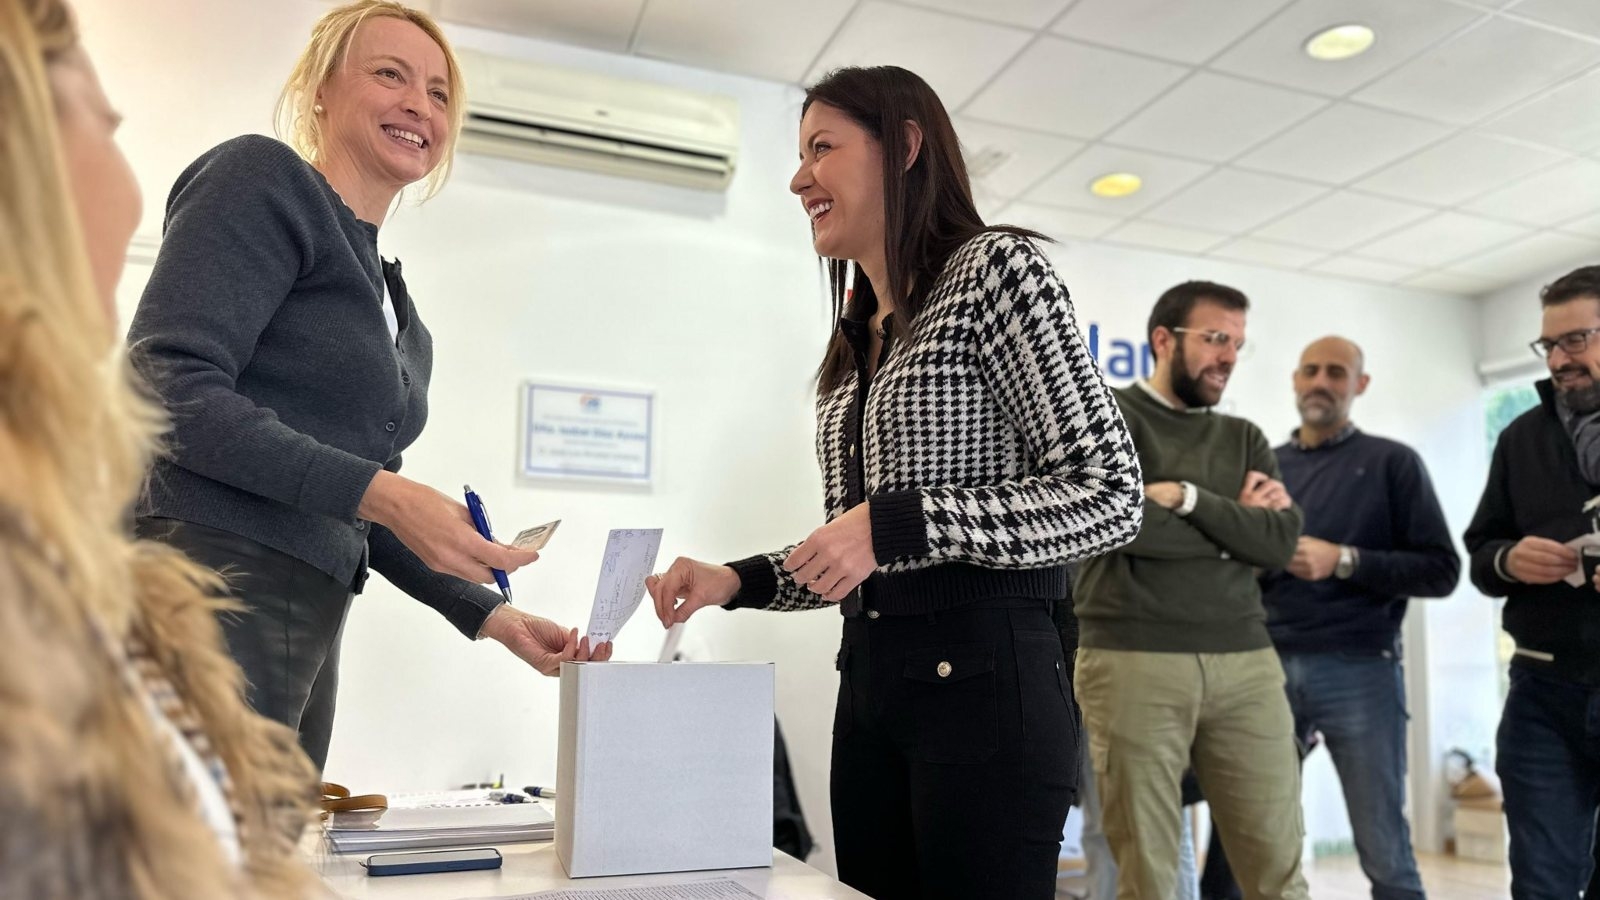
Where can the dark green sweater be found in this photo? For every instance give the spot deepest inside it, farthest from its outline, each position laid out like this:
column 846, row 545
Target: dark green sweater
column 1188, row 584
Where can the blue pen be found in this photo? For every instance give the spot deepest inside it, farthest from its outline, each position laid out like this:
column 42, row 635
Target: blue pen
column 480, row 520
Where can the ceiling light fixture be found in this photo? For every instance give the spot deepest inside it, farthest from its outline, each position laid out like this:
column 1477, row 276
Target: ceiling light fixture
column 1340, row 42
column 1116, row 184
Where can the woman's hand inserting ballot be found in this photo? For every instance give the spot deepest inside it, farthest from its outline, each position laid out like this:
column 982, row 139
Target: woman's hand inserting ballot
column 837, row 557
column 696, row 583
column 540, row 642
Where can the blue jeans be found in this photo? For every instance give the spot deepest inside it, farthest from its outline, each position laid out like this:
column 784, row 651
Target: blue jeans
column 1549, row 768
column 1358, row 704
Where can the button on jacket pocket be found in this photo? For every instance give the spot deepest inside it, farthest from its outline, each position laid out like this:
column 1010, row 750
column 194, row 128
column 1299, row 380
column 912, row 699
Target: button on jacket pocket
column 947, row 698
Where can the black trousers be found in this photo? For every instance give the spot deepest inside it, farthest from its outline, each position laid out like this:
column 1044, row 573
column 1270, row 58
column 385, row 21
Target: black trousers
column 955, row 754
column 287, row 637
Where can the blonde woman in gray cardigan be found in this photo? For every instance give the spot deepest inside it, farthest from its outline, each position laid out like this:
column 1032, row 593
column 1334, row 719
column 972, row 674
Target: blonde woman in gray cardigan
column 969, row 450
column 296, row 368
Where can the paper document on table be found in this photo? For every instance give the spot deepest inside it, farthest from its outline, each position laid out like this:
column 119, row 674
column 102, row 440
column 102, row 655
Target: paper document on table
column 1576, row 578
column 442, row 799
column 630, row 558
column 719, row 889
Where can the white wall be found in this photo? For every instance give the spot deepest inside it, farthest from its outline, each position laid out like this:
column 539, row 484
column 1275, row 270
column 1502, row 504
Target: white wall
column 715, row 302
column 1510, row 319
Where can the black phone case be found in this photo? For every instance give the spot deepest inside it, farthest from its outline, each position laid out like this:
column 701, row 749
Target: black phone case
column 376, row 865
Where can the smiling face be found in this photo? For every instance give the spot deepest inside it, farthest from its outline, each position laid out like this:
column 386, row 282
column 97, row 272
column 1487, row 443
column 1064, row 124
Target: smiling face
column 386, row 108
column 840, row 185
column 1575, row 376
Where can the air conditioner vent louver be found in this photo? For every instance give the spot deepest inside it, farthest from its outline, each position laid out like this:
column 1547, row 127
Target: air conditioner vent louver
column 529, row 111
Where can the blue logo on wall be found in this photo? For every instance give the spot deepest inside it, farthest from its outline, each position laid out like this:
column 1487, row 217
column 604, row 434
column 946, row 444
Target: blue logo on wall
column 1124, row 360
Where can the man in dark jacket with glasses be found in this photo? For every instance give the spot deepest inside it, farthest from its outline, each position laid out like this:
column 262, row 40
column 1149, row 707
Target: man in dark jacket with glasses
column 1539, row 501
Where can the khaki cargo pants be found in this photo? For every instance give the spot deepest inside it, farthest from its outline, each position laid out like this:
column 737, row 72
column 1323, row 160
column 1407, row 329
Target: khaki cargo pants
column 1151, row 715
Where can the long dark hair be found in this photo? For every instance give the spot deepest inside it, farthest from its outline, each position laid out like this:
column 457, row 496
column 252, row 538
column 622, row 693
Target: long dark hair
column 928, row 208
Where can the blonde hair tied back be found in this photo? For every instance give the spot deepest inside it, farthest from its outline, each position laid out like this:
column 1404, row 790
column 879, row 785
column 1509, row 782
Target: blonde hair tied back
column 298, row 114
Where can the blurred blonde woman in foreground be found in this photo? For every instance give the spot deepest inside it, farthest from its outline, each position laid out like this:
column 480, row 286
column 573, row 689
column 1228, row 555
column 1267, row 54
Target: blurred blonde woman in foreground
column 130, row 765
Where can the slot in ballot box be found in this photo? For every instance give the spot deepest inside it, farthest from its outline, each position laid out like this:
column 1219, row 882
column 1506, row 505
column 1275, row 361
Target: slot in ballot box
column 664, row 767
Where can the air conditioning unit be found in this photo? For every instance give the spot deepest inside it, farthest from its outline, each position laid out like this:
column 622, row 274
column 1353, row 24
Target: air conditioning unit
column 563, row 117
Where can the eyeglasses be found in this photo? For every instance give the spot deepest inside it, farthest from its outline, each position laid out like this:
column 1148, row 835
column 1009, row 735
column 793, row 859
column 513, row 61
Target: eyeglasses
column 1220, row 338
column 1571, row 342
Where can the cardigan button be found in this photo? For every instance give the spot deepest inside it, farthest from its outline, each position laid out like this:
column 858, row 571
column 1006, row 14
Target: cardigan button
column 388, row 426
column 873, row 614
column 944, row 669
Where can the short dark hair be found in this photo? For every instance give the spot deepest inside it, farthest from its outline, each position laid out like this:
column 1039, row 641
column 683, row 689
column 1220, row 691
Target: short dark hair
column 1575, row 285
column 1173, row 308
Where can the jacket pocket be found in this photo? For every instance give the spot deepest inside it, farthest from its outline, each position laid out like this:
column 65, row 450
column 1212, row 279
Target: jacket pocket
column 948, row 694
column 1049, row 715
column 842, row 707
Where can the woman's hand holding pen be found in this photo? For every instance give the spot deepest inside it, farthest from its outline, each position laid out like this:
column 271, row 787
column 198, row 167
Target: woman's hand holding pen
column 540, row 642
column 438, row 529
column 696, row 583
column 837, row 557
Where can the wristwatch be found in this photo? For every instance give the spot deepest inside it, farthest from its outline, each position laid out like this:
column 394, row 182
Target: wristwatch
column 1347, row 562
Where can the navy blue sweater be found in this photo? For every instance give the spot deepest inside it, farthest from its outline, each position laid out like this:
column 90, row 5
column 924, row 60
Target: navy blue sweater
column 1372, row 494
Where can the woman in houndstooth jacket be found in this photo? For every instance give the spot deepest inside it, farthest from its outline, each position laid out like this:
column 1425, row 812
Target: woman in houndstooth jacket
column 970, row 450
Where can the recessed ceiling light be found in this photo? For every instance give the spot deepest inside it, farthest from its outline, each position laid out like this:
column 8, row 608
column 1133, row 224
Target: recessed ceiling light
column 1340, row 42
column 1116, row 184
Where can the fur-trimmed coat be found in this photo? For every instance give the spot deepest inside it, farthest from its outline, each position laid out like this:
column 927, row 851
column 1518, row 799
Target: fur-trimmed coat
column 91, row 805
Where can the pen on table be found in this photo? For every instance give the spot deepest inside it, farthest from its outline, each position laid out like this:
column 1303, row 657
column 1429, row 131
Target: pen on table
column 541, row 792
column 480, row 520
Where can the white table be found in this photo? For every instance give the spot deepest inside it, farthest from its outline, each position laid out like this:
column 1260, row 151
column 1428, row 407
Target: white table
column 533, row 867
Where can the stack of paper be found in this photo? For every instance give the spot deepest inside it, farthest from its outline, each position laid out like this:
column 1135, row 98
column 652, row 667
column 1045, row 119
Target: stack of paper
column 401, row 829
column 719, row 889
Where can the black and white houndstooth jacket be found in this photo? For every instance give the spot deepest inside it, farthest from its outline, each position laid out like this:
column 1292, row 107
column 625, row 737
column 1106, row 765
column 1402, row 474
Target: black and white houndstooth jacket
column 989, row 447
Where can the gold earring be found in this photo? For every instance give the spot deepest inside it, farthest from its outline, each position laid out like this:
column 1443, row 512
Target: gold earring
column 317, row 109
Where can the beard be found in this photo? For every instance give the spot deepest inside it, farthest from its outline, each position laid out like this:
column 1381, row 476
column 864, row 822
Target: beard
column 1584, row 398
column 1319, row 414
column 1193, row 389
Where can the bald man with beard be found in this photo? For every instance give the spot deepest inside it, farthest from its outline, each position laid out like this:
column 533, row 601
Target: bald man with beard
column 1374, row 537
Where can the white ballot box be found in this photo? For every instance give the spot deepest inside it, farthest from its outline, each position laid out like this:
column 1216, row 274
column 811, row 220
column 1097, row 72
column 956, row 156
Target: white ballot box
column 664, row 767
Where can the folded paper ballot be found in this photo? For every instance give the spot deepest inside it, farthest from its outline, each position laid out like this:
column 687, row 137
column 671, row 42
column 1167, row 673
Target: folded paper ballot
column 629, row 559
column 439, row 826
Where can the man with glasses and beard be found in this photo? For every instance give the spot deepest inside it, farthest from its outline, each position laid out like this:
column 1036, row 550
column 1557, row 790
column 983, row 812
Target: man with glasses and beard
column 1175, row 663
column 1374, row 537
column 1542, row 481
